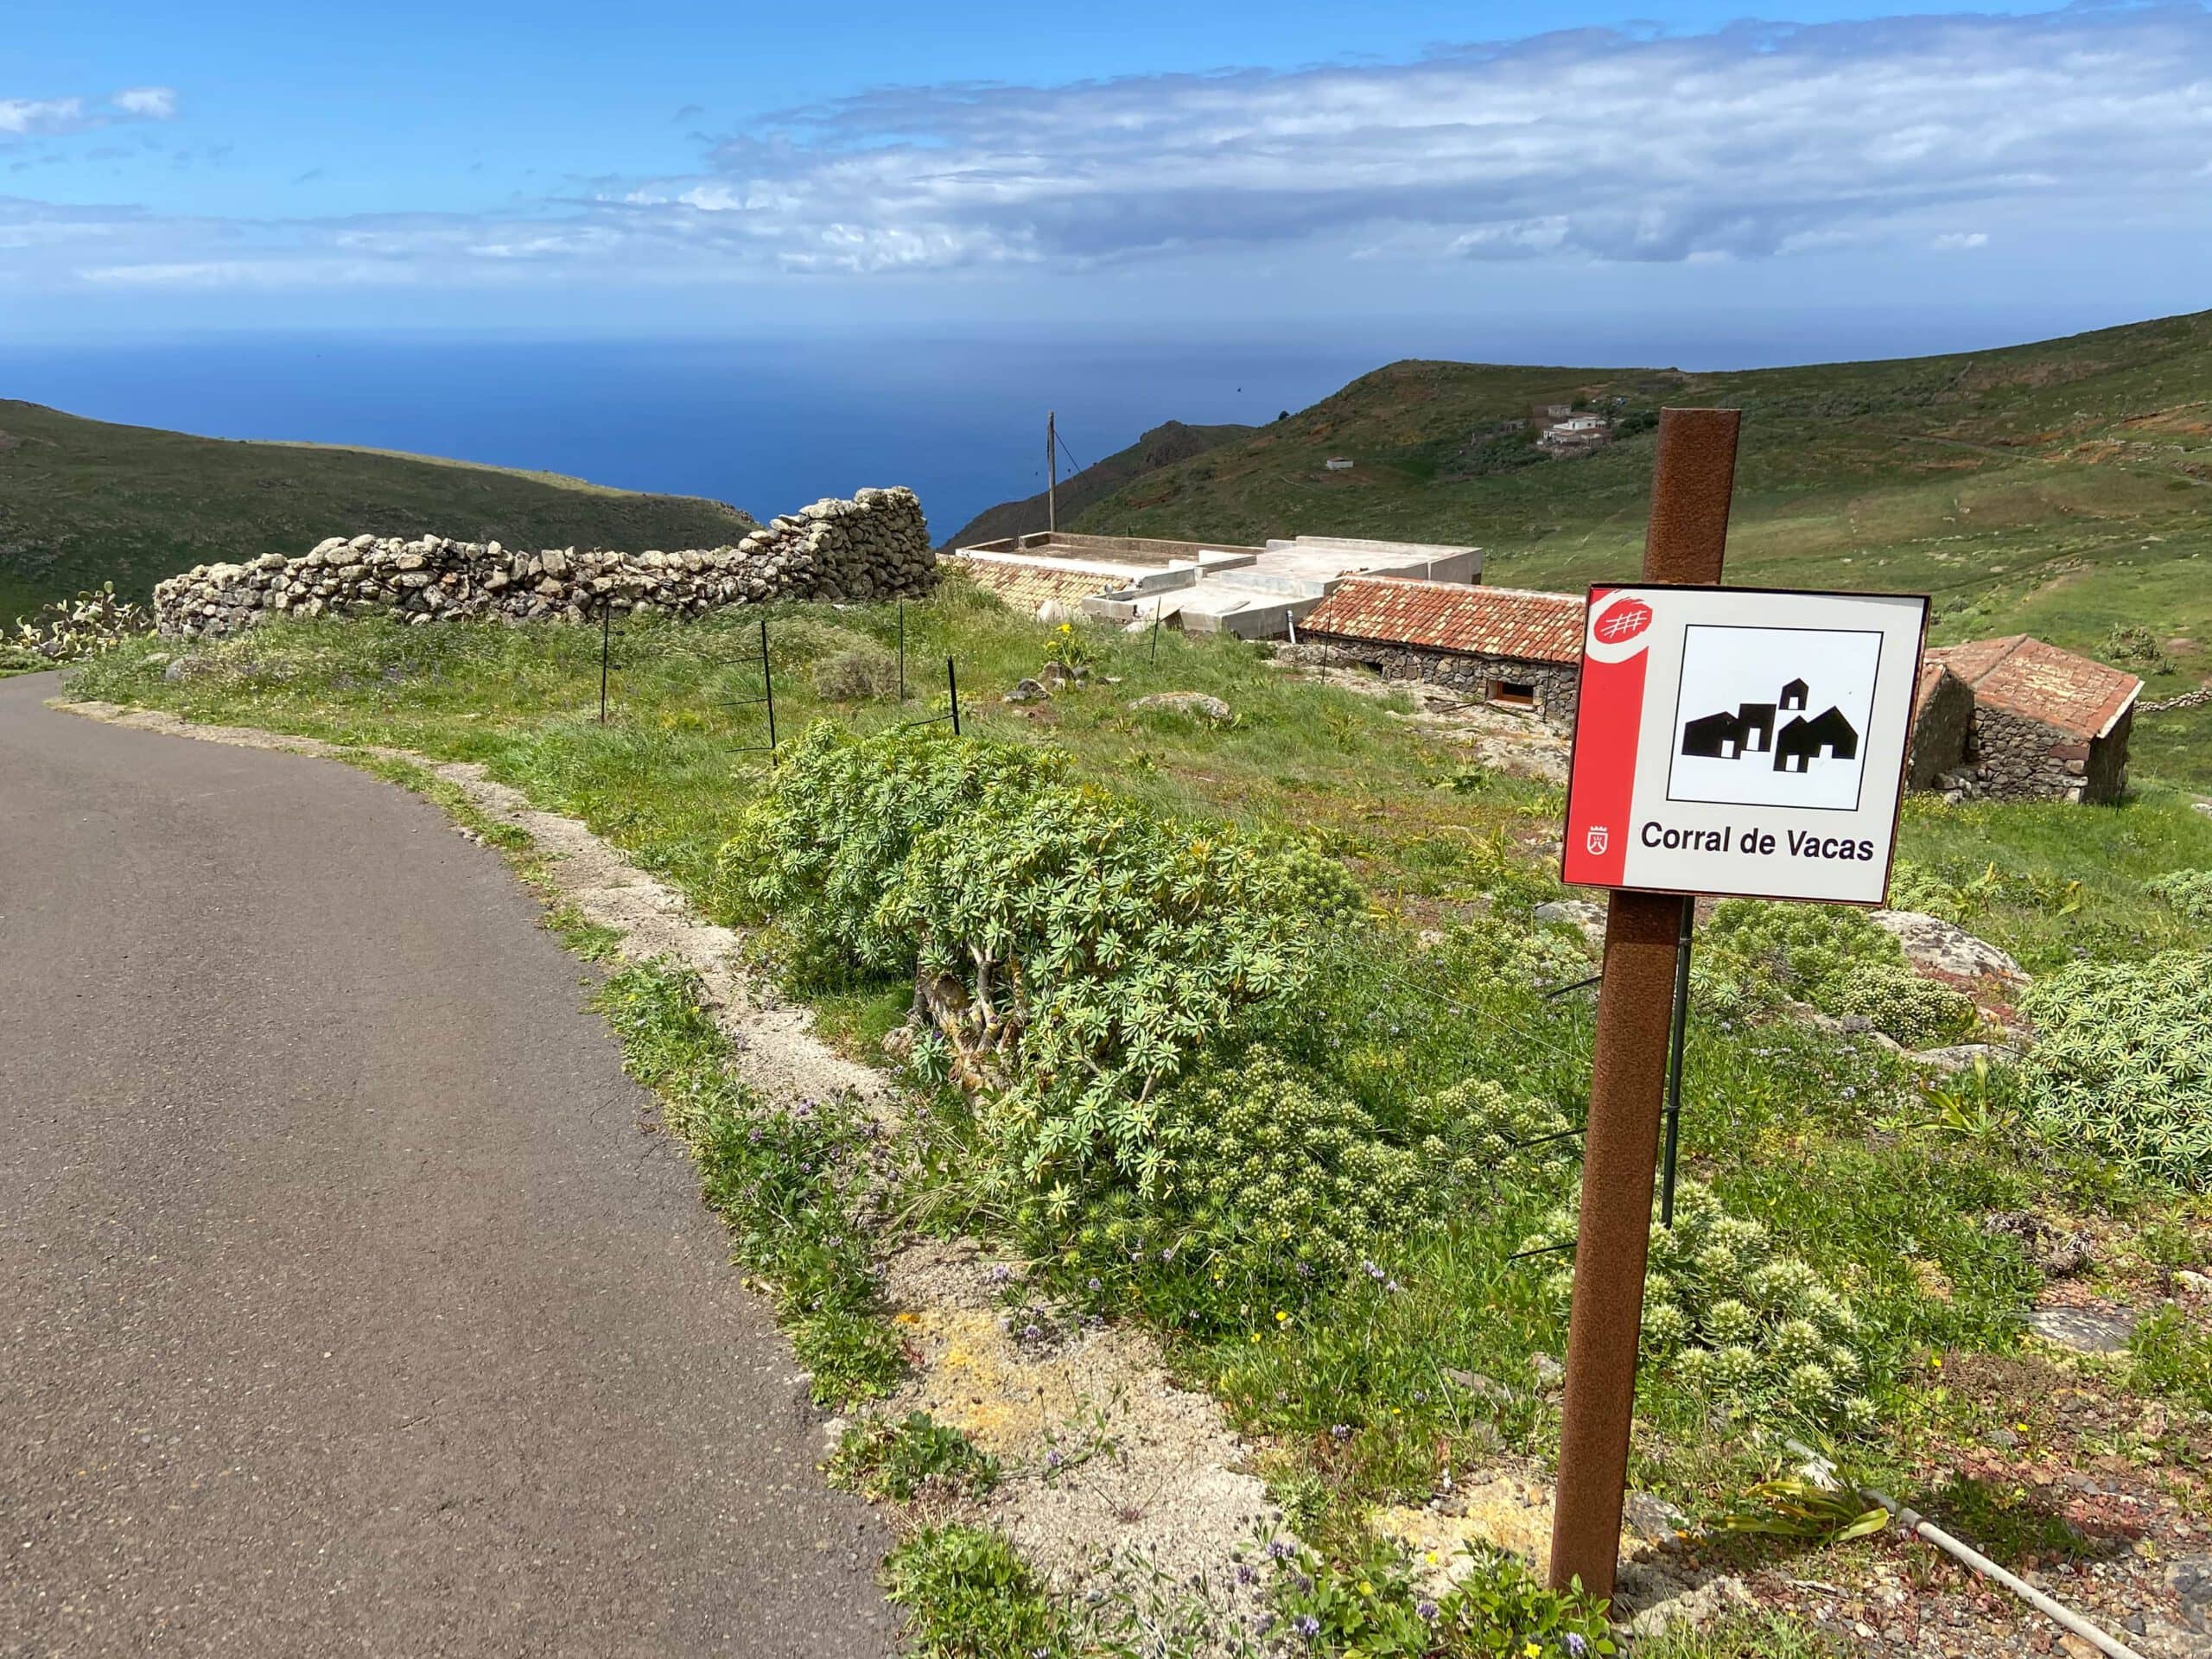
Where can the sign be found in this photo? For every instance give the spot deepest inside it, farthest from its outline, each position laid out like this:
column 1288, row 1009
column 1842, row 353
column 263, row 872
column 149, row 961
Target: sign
column 1741, row 740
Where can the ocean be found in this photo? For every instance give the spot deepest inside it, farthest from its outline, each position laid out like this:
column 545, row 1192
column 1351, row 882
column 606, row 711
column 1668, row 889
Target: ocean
column 769, row 425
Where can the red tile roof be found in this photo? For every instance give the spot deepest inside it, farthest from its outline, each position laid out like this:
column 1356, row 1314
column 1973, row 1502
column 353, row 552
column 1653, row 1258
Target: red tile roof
column 1452, row 616
column 2021, row 675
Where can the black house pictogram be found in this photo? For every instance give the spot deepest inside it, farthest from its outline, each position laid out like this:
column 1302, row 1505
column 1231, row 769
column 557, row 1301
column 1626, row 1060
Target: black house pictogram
column 1803, row 740
column 1750, row 730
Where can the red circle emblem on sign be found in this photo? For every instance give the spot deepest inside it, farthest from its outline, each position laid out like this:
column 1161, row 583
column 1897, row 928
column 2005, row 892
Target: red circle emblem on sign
column 1621, row 621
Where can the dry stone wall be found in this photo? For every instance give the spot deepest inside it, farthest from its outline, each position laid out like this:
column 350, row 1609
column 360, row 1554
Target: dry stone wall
column 874, row 546
column 1554, row 687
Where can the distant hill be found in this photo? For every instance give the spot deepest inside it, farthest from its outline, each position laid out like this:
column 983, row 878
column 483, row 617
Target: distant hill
column 1163, row 446
column 2062, row 488
column 83, row 501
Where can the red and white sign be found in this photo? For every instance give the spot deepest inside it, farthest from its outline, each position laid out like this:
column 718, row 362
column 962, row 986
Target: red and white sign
column 1742, row 741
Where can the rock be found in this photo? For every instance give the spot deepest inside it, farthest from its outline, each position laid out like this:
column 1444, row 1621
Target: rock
column 1028, row 691
column 2189, row 1581
column 1052, row 613
column 2061, row 1255
column 2085, row 1330
column 1197, row 704
column 2193, row 1282
column 1933, row 944
column 1549, row 1372
column 1585, row 913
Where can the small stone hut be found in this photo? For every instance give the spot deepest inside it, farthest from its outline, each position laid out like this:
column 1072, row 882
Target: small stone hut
column 1510, row 647
column 1942, row 723
column 2047, row 724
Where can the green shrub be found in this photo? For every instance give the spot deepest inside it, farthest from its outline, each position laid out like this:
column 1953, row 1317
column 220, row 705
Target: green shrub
column 1914, row 887
column 1263, row 1166
column 858, row 674
column 70, row 630
column 1758, row 1333
column 895, row 1460
column 2174, row 1358
column 1832, row 957
column 1918, row 1013
column 2123, row 1063
column 2135, row 646
column 967, row 1595
column 2187, row 893
column 824, row 849
column 1076, row 953
column 1372, row 1605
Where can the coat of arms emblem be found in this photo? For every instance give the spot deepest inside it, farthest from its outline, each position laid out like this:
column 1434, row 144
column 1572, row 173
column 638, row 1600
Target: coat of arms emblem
column 1597, row 839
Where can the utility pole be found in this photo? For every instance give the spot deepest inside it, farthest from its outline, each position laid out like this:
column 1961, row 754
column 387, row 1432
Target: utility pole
column 1693, row 475
column 1052, row 473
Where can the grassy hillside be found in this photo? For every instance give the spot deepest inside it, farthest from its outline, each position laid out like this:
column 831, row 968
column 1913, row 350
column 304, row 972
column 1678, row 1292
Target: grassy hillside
column 1163, row 446
column 2064, row 488
column 83, row 501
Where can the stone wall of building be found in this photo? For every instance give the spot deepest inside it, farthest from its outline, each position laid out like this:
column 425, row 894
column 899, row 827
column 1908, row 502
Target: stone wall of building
column 2015, row 758
column 1555, row 685
column 1942, row 727
column 874, row 546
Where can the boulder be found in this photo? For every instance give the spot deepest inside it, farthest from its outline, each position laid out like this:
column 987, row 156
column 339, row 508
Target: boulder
column 1934, row 945
column 1585, row 913
column 1197, row 704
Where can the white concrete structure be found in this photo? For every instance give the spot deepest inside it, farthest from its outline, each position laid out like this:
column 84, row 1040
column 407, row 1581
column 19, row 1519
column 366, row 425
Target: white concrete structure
column 1255, row 592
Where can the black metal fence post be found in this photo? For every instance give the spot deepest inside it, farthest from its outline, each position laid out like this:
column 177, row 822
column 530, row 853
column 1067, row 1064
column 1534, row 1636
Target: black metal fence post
column 952, row 684
column 606, row 644
column 769, row 690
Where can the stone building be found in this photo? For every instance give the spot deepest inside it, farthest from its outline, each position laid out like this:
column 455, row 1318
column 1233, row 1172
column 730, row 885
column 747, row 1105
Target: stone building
column 1942, row 722
column 2046, row 724
column 1507, row 646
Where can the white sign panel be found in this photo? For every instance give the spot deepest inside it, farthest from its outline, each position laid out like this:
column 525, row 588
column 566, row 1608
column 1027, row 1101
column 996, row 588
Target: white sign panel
column 1742, row 741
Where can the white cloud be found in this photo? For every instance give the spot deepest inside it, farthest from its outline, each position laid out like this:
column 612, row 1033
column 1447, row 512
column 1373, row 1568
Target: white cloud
column 152, row 102
column 38, row 117
column 22, row 117
column 1754, row 142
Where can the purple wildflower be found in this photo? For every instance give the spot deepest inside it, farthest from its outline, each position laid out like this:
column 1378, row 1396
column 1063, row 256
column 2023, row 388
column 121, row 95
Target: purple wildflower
column 1426, row 1609
column 1308, row 1625
column 1031, row 1332
column 1280, row 1549
column 1576, row 1645
column 1340, row 1432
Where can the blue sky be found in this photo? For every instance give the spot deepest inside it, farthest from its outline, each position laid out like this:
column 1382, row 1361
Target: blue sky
column 563, row 169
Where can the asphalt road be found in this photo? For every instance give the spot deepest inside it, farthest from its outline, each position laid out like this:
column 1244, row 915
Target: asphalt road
column 347, row 1309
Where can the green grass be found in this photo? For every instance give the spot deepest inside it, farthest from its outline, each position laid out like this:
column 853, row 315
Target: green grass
column 968, row 1595
column 83, row 501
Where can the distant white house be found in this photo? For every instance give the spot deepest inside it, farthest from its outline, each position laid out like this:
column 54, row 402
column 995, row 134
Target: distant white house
column 1339, row 463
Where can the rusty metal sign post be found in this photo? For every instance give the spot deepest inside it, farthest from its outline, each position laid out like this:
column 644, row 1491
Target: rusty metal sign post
column 1690, row 489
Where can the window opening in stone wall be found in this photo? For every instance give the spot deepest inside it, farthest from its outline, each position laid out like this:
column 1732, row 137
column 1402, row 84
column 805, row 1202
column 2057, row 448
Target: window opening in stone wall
column 1513, row 694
